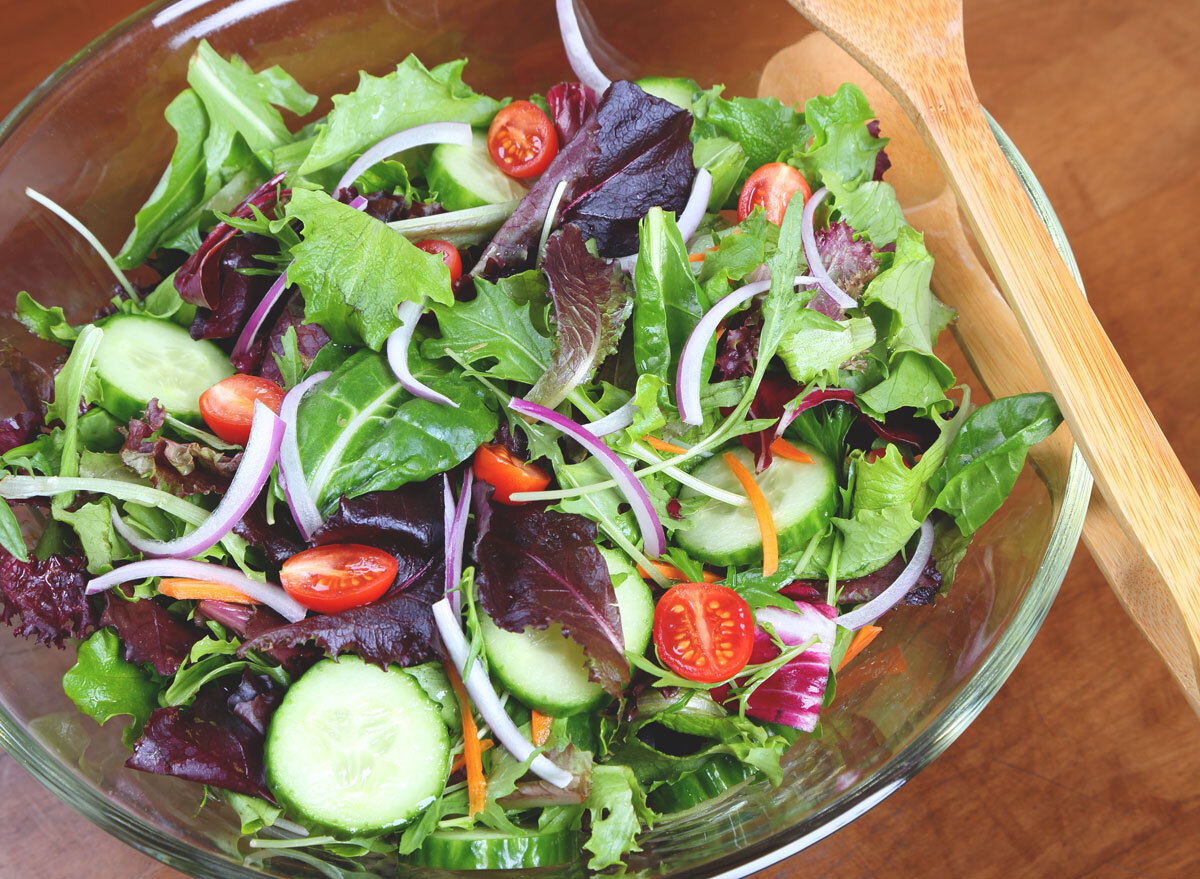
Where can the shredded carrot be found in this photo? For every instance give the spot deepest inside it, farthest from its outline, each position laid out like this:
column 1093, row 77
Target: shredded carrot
column 673, row 573
column 784, row 449
column 472, row 749
column 461, row 760
column 766, row 523
column 197, row 590
column 663, row 446
column 861, row 639
column 541, row 727
column 696, row 257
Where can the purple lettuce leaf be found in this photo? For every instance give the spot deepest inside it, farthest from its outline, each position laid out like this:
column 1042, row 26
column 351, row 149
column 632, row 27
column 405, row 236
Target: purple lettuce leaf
column 237, row 294
column 536, row 567
column 149, row 632
column 397, row 629
column 882, row 162
column 254, row 700
column 277, row 542
column 248, row 622
column 47, row 596
column 180, row 468
column 310, row 339
column 17, row 430
column 571, row 105
column 390, row 208
column 591, row 303
column 860, row 589
column 198, row 280
column 632, row 154
column 207, row 743
column 851, row 264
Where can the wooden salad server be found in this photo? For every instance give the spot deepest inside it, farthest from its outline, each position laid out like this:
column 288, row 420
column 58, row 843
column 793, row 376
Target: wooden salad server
column 1143, row 525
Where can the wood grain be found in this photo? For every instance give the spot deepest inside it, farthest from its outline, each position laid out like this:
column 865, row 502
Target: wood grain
column 1085, row 765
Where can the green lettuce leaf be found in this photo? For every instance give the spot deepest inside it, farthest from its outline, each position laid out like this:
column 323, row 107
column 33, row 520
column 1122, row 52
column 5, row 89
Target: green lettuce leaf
column 383, row 105
column 93, row 526
column 45, row 323
column 841, row 143
column 10, row 533
column 103, row 685
column 618, row 809
column 870, row 208
column 354, row 271
column 765, row 128
column 815, row 346
column 360, row 431
column 725, row 160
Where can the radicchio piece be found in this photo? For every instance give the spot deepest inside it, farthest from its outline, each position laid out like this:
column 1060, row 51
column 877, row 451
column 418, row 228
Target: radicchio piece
column 850, row 263
column 180, row 468
column 47, row 595
column 632, row 154
column 207, row 743
column 536, row 567
column 198, row 280
column 882, row 162
column 149, row 632
column 237, row 294
column 869, row 586
column 310, row 339
column 397, row 629
column 793, row 695
column 571, row 104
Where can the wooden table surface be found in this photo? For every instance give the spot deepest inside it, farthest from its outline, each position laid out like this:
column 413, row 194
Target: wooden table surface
column 1087, row 763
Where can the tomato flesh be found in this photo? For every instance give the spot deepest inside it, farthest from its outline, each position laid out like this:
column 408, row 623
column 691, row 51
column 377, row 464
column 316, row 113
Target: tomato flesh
column 338, row 576
column 703, row 631
column 228, row 406
column 496, row 465
column 522, row 140
column 771, row 187
column 447, row 251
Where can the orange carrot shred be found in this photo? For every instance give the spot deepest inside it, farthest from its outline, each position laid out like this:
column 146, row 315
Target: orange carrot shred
column 673, row 573
column 541, row 727
column 460, row 761
column 758, row 502
column 472, row 750
column 784, row 449
column 861, row 639
column 663, row 446
column 696, row 257
column 182, row 587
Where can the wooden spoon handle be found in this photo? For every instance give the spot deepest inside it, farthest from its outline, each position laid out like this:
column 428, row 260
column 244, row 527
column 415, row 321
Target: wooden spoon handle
column 990, row 336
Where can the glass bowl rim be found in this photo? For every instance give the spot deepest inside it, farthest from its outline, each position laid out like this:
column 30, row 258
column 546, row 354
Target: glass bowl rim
column 941, row 732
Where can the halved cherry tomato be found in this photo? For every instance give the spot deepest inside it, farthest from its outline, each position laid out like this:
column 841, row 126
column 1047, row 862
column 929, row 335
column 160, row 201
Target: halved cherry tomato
column 201, row 590
column 495, row 464
column 228, row 406
column 703, row 631
column 771, row 187
column 447, row 251
column 338, row 576
column 522, row 140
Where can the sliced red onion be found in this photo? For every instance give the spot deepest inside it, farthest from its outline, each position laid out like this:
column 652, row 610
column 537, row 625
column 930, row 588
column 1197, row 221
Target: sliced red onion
column 358, row 202
column 654, row 540
column 397, row 354
column 809, row 237
column 687, row 377
column 262, row 449
column 291, row 472
column 578, row 56
column 266, row 593
column 618, row 419
column 487, row 703
column 433, row 132
column 456, row 532
column 689, row 217
column 888, row 598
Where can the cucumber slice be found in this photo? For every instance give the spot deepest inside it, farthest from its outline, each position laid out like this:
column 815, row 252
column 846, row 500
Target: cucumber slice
column 142, row 359
column 714, row 778
column 466, row 177
column 356, row 749
column 802, row 498
column 548, row 671
column 679, row 90
column 484, row 849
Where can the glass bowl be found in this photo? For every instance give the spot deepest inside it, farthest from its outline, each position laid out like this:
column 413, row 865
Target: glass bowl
column 93, row 138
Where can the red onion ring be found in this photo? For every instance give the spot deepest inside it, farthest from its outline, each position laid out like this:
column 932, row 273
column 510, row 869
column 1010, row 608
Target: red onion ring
column 291, row 472
column 618, row 419
column 487, row 703
column 578, row 56
column 809, row 237
column 455, row 517
column 654, row 539
column 689, row 217
column 262, row 449
column 267, row 593
column 890, row 597
column 397, row 354
column 419, row 135
column 691, row 360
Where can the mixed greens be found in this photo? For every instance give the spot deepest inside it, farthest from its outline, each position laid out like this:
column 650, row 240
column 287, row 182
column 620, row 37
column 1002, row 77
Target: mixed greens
column 569, row 542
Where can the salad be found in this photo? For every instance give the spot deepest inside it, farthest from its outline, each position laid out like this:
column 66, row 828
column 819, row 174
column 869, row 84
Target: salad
column 482, row 481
